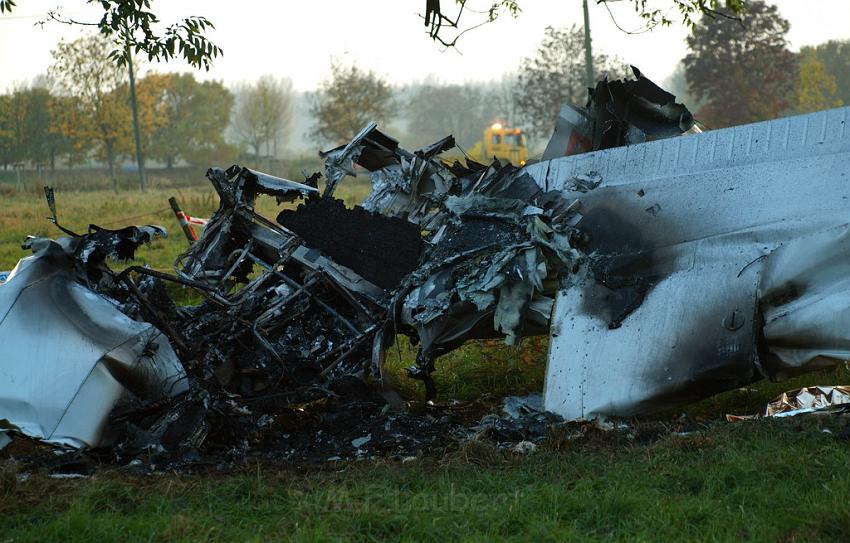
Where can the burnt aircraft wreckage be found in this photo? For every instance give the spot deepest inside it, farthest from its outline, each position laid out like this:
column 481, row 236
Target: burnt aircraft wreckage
column 665, row 269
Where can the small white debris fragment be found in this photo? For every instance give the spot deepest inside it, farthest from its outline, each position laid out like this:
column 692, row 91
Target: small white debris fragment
column 360, row 441
column 265, row 420
column 524, row 447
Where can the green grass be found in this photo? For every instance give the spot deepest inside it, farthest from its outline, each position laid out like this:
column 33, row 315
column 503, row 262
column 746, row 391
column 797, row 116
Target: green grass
column 766, row 481
column 478, row 368
column 24, row 213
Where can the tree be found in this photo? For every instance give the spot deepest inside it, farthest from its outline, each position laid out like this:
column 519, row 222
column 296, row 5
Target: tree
column 41, row 141
column 503, row 96
column 347, row 101
column 816, row 87
column 7, row 142
column 27, row 127
column 131, row 27
column 66, row 118
column 15, row 116
column 744, row 71
column 263, row 114
column 440, row 23
column 99, row 111
column 554, row 76
column 835, row 56
column 193, row 117
column 438, row 110
column 150, row 100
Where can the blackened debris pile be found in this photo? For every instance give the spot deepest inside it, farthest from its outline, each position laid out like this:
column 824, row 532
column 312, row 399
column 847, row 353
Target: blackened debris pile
column 382, row 250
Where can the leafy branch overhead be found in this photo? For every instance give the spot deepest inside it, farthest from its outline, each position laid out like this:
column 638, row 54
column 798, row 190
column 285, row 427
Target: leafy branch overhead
column 440, row 22
column 689, row 10
column 131, row 26
column 437, row 21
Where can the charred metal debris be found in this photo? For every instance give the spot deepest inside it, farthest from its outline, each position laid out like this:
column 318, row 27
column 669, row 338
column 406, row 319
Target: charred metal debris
column 294, row 312
column 618, row 113
column 282, row 353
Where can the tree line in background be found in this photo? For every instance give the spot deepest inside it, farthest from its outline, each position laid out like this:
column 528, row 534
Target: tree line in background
column 80, row 111
column 735, row 72
column 741, row 73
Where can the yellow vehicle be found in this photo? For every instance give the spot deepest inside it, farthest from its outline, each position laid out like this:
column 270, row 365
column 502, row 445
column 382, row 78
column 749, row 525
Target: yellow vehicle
column 503, row 143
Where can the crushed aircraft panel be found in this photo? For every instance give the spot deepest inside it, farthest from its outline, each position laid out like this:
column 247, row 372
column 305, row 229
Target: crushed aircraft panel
column 703, row 255
column 70, row 354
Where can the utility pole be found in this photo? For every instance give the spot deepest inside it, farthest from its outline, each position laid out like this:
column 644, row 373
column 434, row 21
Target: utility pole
column 588, row 54
column 139, row 158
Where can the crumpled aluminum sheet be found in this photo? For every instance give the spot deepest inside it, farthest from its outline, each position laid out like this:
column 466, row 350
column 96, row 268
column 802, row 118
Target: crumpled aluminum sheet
column 805, row 303
column 70, row 355
column 802, row 400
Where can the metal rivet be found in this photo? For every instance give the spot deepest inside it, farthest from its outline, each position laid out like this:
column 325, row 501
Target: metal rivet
column 734, row 321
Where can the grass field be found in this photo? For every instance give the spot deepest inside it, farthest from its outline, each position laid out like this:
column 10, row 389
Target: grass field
column 777, row 481
column 783, row 480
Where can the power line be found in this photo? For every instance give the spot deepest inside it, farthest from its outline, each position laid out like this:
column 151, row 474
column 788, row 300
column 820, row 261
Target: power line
column 21, row 17
column 45, row 17
column 642, row 30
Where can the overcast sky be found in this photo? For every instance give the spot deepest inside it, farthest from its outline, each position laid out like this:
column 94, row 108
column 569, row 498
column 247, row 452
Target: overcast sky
column 297, row 39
